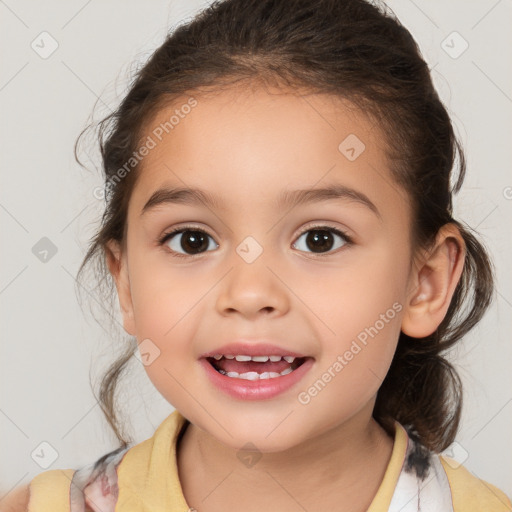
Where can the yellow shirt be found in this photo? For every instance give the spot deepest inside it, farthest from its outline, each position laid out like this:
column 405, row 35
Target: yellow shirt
column 144, row 478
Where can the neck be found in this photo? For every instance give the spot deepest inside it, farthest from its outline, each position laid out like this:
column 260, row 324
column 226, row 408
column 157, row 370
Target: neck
column 341, row 468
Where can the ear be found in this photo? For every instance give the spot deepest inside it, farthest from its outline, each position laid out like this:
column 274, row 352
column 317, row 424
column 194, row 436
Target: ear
column 118, row 267
column 433, row 283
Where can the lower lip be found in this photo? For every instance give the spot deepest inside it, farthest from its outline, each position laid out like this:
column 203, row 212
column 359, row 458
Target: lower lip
column 256, row 389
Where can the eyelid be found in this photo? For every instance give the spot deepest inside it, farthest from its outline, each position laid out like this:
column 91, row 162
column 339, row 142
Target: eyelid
column 168, row 234
column 309, row 227
column 179, row 229
column 325, row 224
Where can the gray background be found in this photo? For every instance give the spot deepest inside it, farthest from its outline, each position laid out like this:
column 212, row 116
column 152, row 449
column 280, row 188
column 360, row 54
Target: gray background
column 49, row 346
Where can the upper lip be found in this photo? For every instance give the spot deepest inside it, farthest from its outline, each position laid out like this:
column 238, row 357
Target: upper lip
column 252, row 349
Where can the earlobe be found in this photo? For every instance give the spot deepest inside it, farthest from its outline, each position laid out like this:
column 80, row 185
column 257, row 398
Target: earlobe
column 117, row 265
column 433, row 283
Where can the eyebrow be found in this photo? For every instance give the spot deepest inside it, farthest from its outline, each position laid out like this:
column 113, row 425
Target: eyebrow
column 288, row 198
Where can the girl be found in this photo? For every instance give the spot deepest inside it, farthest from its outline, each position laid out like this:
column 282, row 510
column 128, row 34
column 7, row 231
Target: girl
column 279, row 230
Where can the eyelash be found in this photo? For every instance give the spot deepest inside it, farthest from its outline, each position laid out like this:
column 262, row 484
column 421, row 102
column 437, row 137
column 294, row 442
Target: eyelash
column 320, row 227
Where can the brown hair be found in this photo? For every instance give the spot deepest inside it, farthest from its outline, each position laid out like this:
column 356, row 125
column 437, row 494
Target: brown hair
column 357, row 51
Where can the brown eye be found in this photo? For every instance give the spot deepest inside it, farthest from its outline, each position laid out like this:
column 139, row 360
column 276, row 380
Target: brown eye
column 322, row 239
column 187, row 242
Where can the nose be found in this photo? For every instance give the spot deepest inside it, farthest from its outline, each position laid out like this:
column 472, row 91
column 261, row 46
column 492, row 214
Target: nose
column 253, row 289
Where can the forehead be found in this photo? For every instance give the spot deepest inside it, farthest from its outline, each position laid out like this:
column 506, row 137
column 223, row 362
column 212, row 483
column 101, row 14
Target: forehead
column 244, row 143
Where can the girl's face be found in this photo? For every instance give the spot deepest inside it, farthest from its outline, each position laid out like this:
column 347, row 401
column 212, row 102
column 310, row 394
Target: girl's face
column 262, row 274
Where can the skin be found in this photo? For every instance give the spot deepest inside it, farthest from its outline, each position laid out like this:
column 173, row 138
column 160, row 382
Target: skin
column 246, row 146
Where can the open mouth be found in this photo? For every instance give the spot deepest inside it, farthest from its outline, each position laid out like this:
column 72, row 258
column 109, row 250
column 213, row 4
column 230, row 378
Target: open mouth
column 255, row 367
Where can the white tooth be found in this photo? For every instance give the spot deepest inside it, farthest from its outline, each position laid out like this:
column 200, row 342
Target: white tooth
column 218, row 356
column 275, row 358
column 260, row 359
column 254, row 375
column 249, row 376
column 289, row 359
column 229, row 357
column 243, row 358
column 286, row 371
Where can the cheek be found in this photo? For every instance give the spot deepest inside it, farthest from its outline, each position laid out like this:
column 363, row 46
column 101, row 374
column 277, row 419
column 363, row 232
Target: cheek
column 354, row 363
column 166, row 307
column 166, row 310
column 165, row 296
column 368, row 283
column 361, row 310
